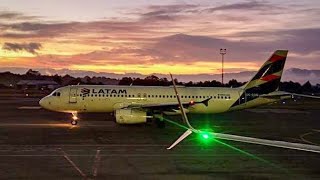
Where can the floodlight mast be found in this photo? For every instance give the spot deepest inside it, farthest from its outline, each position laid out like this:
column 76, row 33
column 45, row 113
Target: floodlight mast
column 222, row 52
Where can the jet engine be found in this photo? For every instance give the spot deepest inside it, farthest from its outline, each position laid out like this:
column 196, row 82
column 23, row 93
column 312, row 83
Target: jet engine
column 131, row 116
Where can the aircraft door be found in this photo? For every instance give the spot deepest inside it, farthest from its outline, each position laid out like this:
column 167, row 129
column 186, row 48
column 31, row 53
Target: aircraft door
column 144, row 96
column 243, row 98
column 73, row 95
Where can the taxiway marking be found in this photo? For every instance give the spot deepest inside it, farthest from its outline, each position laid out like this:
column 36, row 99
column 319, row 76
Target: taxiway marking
column 96, row 163
column 72, row 163
column 35, row 125
column 29, row 107
column 314, row 131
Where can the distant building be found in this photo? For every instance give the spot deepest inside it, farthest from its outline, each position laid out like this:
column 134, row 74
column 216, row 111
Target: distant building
column 32, row 72
column 37, row 84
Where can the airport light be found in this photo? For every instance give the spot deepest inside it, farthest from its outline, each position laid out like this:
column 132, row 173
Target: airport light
column 205, row 137
column 222, row 52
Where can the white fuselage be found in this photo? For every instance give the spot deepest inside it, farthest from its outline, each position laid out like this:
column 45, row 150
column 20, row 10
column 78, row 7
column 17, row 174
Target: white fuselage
column 105, row 98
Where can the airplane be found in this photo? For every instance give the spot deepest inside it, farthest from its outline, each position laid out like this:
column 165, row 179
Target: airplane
column 139, row 104
column 142, row 104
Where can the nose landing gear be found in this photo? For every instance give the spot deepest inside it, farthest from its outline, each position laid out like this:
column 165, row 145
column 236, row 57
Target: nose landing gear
column 74, row 120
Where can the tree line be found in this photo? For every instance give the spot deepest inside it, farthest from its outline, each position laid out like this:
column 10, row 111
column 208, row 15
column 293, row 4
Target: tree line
column 151, row 80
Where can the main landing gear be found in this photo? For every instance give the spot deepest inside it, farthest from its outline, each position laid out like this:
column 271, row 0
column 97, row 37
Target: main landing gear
column 160, row 121
column 74, row 120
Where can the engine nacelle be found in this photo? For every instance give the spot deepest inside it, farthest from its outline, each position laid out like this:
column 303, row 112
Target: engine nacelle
column 131, row 116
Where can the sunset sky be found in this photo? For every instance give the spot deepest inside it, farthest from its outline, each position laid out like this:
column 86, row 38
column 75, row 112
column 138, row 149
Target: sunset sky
column 141, row 36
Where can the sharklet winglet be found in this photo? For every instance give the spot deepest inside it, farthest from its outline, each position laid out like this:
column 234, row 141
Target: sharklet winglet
column 181, row 138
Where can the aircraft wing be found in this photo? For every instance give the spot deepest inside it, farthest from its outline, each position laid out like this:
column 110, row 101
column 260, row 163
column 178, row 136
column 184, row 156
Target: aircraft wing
column 251, row 140
column 278, row 94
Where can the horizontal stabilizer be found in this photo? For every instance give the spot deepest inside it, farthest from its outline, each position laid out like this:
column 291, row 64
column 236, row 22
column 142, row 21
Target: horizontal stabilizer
column 276, row 94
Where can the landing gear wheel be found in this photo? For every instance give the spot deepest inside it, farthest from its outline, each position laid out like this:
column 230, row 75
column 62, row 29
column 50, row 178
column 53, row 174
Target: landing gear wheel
column 74, row 122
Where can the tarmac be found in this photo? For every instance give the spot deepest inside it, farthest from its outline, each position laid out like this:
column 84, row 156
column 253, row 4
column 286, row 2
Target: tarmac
column 39, row 144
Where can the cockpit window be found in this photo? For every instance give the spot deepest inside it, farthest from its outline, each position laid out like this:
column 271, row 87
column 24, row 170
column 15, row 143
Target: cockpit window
column 56, row 94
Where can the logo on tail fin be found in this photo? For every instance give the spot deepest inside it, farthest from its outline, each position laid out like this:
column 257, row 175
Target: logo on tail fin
column 267, row 78
column 269, row 75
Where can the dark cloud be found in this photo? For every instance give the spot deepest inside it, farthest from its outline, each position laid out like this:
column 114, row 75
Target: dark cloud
column 28, row 47
column 166, row 12
column 250, row 5
column 299, row 40
column 7, row 15
column 186, row 48
column 48, row 30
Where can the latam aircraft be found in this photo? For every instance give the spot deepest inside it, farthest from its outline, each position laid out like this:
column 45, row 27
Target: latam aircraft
column 140, row 104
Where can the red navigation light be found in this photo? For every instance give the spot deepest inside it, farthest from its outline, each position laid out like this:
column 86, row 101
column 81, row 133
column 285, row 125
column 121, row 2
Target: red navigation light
column 191, row 102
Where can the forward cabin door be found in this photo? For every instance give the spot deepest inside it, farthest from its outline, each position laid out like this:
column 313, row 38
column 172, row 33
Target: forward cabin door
column 73, row 95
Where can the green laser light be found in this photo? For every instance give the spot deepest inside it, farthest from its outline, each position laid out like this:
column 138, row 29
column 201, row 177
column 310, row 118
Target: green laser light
column 205, row 136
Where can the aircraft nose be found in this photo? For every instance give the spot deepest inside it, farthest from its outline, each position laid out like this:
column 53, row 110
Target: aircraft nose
column 42, row 102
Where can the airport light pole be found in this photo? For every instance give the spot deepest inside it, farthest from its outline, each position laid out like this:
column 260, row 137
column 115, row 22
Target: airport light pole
column 222, row 52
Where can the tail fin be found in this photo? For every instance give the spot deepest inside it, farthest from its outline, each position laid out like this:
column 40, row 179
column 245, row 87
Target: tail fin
column 269, row 75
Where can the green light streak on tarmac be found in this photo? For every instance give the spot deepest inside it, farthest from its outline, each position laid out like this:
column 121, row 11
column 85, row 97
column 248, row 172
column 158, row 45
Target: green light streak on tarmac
column 227, row 145
column 172, row 122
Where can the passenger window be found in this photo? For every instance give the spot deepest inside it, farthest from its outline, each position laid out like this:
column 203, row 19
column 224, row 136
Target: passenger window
column 156, row 95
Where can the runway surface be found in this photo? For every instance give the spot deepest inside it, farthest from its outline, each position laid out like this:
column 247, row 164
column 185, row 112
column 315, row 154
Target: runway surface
column 38, row 144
